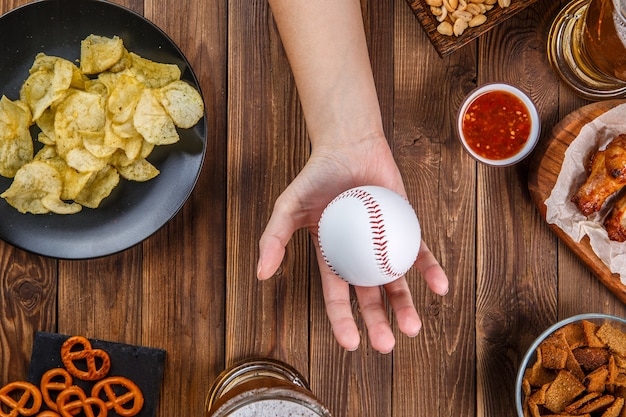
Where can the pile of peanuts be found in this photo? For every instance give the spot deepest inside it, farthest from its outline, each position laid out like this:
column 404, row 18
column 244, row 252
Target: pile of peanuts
column 457, row 15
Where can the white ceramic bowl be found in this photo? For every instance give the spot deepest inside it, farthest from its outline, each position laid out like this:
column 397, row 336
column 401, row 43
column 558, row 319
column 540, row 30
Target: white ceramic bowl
column 531, row 354
column 534, row 131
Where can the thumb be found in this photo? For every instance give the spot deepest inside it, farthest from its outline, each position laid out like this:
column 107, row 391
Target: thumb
column 274, row 239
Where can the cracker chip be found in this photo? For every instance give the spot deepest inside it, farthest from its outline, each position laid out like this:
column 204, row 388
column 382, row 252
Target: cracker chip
column 562, row 391
column 600, row 388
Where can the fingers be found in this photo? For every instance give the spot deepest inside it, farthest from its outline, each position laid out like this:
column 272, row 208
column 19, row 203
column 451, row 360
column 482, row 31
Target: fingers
column 277, row 233
column 432, row 272
column 374, row 313
column 401, row 301
column 339, row 310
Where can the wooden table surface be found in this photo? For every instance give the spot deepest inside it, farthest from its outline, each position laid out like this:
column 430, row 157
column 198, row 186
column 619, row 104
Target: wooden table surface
column 191, row 288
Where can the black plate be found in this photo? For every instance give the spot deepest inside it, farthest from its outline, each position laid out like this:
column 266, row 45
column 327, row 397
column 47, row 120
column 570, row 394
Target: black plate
column 134, row 211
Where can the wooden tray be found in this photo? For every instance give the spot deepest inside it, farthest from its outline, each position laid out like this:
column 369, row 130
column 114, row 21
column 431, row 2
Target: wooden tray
column 544, row 170
column 445, row 45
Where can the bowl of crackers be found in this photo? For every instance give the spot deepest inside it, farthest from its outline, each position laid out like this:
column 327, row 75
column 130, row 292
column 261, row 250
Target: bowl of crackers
column 576, row 367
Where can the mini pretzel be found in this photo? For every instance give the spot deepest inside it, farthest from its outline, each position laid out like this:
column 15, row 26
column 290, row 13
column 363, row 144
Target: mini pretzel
column 19, row 407
column 69, row 356
column 117, row 402
column 73, row 400
column 48, row 384
column 48, row 413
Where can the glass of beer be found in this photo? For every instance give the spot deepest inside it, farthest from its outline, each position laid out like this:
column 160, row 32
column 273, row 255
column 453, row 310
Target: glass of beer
column 262, row 387
column 587, row 47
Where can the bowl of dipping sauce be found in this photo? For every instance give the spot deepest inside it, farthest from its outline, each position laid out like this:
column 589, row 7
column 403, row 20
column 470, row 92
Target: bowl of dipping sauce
column 498, row 124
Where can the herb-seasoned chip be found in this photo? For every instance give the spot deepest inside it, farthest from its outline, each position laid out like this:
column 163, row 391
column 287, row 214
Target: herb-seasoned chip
column 47, row 85
column 98, row 187
column 16, row 144
column 80, row 114
column 140, row 170
column 99, row 53
column 182, row 102
column 36, row 189
column 152, row 121
column 97, row 122
column 153, row 74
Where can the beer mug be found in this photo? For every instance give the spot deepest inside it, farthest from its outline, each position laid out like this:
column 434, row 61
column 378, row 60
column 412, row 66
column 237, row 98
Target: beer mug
column 587, row 47
column 262, row 387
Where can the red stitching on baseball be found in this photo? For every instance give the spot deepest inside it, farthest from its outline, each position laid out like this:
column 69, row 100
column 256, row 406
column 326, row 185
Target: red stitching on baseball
column 377, row 225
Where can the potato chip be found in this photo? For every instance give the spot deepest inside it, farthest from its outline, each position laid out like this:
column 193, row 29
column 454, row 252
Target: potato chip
column 73, row 181
column 99, row 53
column 36, row 189
column 99, row 187
column 182, row 102
column 123, row 98
column 16, row 143
column 152, row 121
column 140, row 170
column 46, row 124
column 84, row 161
column 97, row 121
column 47, row 85
column 47, row 62
column 153, row 74
column 81, row 112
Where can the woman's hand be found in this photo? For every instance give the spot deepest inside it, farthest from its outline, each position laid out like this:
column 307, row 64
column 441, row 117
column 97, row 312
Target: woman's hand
column 328, row 173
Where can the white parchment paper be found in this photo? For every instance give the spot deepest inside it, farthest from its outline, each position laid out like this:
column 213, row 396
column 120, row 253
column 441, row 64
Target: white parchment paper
column 562, row 212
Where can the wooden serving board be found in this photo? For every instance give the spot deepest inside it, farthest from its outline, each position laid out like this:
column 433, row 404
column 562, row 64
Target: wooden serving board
column 445, row 45
column 544, row 171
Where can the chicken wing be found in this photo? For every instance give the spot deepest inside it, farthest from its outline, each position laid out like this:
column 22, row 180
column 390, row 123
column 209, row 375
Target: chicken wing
column 607, row 175
column 615, row 223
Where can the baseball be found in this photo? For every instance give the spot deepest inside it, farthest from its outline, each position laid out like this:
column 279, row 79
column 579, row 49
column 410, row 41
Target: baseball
column 369, row 236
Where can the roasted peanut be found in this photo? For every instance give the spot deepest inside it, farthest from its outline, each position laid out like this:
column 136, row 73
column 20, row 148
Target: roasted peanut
column 455, row 16
column 445, row 28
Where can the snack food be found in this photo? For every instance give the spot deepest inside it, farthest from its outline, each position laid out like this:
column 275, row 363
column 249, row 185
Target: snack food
column 98, row 122
column 580, row 369
column 27, row 404
column 95, row 370
column 606, row 177
column 455, row 16
column 58, row 393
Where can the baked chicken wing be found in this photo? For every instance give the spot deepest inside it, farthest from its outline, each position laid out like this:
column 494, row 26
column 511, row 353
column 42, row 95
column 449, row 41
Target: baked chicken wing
column 615, row 223
column 607, row 175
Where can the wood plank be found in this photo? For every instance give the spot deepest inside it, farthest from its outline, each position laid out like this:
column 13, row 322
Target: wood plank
column 516, row 281
column 27, row 304
column 263, row 318
column 186, row 259
column 440, row 180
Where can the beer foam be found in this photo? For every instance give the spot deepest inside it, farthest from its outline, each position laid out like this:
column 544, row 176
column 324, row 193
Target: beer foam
column 274, row 408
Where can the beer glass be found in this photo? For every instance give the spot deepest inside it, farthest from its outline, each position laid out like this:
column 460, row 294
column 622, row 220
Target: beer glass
column 262, row 387
column 587, row 47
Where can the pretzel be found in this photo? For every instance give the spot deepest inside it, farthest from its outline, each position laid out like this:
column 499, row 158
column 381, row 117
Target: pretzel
column 69, row 356
column 69, row 407
column 117, row 402
column 48, row 413
column 19, row 407
column 47, row 384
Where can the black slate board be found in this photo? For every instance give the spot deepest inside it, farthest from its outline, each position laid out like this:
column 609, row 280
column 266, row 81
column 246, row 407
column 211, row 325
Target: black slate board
column 143, row 365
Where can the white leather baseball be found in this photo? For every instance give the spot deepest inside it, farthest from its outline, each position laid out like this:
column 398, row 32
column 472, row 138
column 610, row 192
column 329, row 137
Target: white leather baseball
column 369, row 235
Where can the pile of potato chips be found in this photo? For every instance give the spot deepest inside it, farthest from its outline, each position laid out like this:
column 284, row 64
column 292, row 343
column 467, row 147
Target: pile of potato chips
column 580, row 371
column 97, row 121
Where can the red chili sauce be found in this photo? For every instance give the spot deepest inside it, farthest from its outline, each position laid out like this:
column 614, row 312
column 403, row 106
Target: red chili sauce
column 496, row 125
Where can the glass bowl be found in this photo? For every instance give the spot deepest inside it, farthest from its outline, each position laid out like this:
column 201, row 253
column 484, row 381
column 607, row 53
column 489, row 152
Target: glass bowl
column 530, row 357
column 498, row 124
